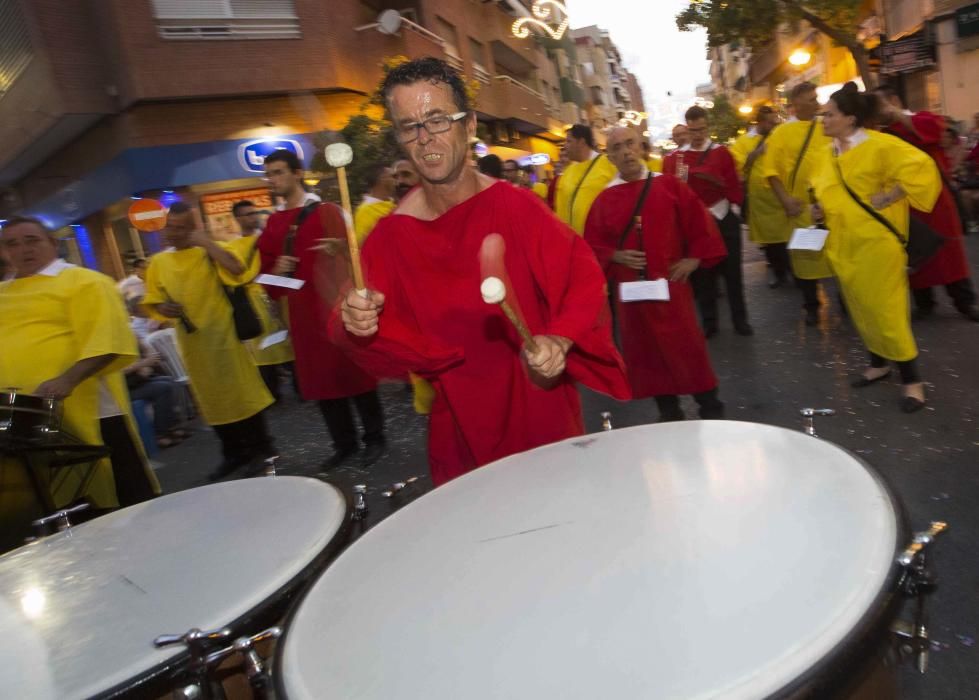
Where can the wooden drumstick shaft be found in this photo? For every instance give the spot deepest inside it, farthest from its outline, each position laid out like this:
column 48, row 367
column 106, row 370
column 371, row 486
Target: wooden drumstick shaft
column 521, row 327
column 352, row 243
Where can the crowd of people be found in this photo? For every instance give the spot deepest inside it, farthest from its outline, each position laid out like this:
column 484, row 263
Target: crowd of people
column 613, row 264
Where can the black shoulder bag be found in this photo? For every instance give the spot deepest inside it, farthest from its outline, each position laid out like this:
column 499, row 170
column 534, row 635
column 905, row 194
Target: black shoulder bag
column 247, row 323
column 614, row 292
column 802, row 153
column 922, row 242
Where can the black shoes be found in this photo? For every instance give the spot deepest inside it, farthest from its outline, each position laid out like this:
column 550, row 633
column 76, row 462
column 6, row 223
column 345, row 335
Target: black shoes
column 812, row 317
column 972, row 313
column 226, row 468
column 373, row 452
column 338, row 458
column 744, row 328
column 710, row 329
column 910, row 404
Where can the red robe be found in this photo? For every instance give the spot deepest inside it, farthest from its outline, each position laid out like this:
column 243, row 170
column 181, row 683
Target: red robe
column 718, row 162
column 436, row 324
column 950, row 263
column 664, row 348
column 323, row 370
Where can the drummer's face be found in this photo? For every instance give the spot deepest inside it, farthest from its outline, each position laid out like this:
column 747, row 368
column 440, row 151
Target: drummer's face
column 28, row 248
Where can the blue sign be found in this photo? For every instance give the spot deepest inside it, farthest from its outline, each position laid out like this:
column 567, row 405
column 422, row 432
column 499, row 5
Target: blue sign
column 252, row 154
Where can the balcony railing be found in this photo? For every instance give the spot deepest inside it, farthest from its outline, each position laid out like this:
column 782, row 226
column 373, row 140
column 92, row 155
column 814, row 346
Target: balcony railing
column 518, row 84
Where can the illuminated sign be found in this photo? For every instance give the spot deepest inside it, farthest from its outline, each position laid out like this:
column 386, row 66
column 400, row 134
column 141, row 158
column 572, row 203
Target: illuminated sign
column 252, row 154
column 543, row 11
column 535, row 159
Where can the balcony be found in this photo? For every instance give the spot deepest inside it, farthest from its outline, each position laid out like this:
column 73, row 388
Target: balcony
column 508, row 98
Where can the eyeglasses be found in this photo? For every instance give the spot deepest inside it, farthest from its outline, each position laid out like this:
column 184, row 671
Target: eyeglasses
column 433, row 125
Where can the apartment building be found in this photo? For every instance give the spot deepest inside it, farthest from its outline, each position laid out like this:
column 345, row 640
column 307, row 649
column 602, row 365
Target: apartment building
column 107, row 101
column 605, row 81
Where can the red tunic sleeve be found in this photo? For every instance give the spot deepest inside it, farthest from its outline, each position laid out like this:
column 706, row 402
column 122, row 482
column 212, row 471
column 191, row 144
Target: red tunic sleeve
column 928, row 127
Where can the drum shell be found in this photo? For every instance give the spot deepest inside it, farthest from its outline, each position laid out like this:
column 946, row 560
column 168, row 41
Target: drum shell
column 27, row 416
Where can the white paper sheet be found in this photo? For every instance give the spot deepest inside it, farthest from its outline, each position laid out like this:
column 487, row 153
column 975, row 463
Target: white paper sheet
column 278, row 281
column 808, row 239
column 273, row 339
column 645, row 290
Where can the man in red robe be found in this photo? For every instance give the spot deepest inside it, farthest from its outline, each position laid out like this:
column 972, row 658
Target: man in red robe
column 306, row 253
column 671, row 236
column 711, row 172
column 949, row 266
column 423, row 311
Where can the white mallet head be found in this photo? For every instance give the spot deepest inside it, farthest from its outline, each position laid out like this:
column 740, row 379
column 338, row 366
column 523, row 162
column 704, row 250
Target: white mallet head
column 493, row 290
column 338, row 155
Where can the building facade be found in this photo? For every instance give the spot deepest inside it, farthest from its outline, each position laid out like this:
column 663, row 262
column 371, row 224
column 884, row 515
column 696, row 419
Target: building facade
column 117, row 100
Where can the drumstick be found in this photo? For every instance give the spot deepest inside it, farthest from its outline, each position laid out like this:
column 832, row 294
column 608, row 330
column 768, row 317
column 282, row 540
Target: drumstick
column 339, row 156
column 494, row 292
column 184, row 321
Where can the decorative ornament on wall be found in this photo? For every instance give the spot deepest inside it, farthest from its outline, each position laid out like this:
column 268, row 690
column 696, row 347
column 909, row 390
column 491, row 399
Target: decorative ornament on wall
column 549, row 16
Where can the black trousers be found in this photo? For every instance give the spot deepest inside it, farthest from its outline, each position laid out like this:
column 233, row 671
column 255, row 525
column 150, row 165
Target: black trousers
column 962, row 293
column 908, row 369
column 810, row 293
column 777, row 255
column 245, row 440
column 128, row 465
column 704, row 280
column 710, row 407
column 340, row 420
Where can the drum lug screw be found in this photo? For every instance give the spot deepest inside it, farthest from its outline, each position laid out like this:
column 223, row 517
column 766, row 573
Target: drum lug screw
column 360, row 502
column 606, row 421
column 809, row 414
column 61, row 517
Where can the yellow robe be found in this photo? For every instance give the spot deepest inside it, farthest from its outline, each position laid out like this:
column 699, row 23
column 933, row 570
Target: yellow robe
column 782, row 152
column 225, row 381
column 866, row 257
column 47, row 324
column 654, row 164
column 767, row 222
column 367, row 215
column 572, row 207
column 540, row 189
column 265, row 309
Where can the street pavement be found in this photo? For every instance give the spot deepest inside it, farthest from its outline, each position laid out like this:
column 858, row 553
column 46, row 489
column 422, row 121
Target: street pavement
column 930, row 459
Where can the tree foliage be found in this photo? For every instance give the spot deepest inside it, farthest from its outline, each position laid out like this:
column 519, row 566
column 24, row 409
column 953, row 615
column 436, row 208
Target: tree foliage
column 725, row 122
column 755, row 22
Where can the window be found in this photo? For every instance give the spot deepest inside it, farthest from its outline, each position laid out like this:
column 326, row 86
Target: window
column 15, row 44
column 226, row 19
column 478, row 54
column 597, row 96
column 588, row 68
column 448, row 32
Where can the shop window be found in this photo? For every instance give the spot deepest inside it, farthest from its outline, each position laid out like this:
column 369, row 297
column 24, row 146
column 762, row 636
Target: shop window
column 226, row 19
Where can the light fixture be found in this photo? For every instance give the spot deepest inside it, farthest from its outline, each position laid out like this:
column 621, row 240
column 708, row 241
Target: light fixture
column 746, row 108
column 800, row 57
column 543, row 11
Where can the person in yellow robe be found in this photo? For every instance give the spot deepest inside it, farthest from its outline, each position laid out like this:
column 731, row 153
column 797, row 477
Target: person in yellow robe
column 654, row 163
column 65, row 335
column 278, row 354
column 870, row 262
column 185, row 284
column 767, row 222
column 791, row 155
column 377, row 203
column 583, row 179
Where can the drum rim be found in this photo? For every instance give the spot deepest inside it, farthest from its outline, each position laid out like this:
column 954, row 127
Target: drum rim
column 832, row 672
column 177, row 664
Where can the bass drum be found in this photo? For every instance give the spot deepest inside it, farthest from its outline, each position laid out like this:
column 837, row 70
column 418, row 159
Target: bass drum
column 703, row 559
column 88, row 602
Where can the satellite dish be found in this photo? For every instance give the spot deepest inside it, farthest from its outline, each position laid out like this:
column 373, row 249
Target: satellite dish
column 389, row 22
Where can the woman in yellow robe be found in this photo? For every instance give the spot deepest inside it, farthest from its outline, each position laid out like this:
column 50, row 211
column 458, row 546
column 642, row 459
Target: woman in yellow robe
column 51, row 321
column 870, row 262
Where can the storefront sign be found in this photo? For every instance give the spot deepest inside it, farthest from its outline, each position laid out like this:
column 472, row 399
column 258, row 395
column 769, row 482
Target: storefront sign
column 535, row 159
column 217, row 209
column 252, row 154
column 907, row 55
column 967, row 21
column 147, row 215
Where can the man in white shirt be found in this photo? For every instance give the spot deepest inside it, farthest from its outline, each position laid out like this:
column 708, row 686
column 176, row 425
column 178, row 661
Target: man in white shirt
column 135, row 284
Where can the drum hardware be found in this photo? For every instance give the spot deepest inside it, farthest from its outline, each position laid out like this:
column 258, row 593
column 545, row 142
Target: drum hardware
column 254, row 664
column 360, row 502
column 26, row 415
column 606, row 420
column 810, row 414
column 917, row 581
column 394, row 488
column 61, row 518
column 198, row 645
column 270, row 465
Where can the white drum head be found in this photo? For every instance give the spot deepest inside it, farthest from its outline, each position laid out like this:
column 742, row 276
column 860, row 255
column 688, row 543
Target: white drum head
column 88, row 603
column 685, row 560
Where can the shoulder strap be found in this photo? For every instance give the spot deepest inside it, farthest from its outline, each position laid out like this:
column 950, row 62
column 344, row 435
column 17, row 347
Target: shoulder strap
column 749, row 166
column 289, row 241
column 802, row 153
column 867, row 208
column 704, row 154
column 574, row 195
column 635, row 211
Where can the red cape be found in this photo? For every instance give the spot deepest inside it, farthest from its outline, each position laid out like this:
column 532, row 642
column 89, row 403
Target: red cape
column 436, row 324
column 662, row 343
column 323, row 370
column 950, row 264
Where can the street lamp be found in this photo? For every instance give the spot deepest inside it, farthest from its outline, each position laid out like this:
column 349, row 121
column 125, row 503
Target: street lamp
column 800, row 57
column 746, row 108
